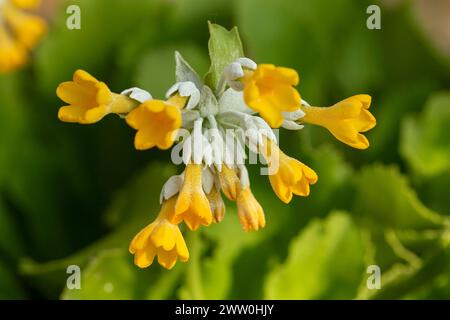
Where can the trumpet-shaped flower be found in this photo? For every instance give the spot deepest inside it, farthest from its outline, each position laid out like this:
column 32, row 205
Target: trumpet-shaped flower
column 192, row 204
column 157, row 123
column 161, row 238
column 251, row 214
column 89, row 99
column 346, row 120
column 20, row 31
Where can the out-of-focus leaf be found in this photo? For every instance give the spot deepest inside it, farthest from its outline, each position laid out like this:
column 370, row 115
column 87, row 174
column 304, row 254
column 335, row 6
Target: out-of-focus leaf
column 385, row 198
column 434, row 192
column 325, row 261
column 403, row 279
column 424, row 141
column 156, row 70
column 224, row 47
column 112, row 275
column 390, row 109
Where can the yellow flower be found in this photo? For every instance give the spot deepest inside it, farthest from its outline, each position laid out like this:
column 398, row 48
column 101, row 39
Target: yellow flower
column 346, row 120
column 251, row 214
column 26, row 4
column 162, row 238
column 269, row 91
column 28, row 29
column 19, row 31
column 90, row 100
column 157, row 122
column 216, row 204
column 12, row 54
column 192, row 204
column 287, row 175
column 229, row 182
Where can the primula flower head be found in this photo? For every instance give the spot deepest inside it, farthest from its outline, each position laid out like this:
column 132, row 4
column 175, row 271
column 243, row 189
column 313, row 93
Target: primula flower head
column 211, row 124
column 20, row 31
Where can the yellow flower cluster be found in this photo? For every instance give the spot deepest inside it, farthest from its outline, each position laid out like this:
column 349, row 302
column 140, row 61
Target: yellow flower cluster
column 194, row 197
column 20, row 31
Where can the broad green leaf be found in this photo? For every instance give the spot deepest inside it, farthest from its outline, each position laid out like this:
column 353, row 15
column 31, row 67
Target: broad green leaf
column 424, row 142
column 224, row 47
column 384, row 197
column 326, row 261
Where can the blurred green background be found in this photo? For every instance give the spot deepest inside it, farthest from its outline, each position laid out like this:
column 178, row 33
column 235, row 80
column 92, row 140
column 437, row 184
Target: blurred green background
column 72, row 194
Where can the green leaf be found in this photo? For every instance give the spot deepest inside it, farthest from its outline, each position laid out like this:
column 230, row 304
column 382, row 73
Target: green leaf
column 224, row 47
column 424, row 142
column 384, row 197
column 326, row 261
column 403, row 279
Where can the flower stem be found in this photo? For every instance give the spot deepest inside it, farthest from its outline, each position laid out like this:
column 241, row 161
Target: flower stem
column 121, row 104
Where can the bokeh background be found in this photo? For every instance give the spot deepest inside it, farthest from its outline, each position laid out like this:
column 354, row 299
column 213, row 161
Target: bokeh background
column 76, row 195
